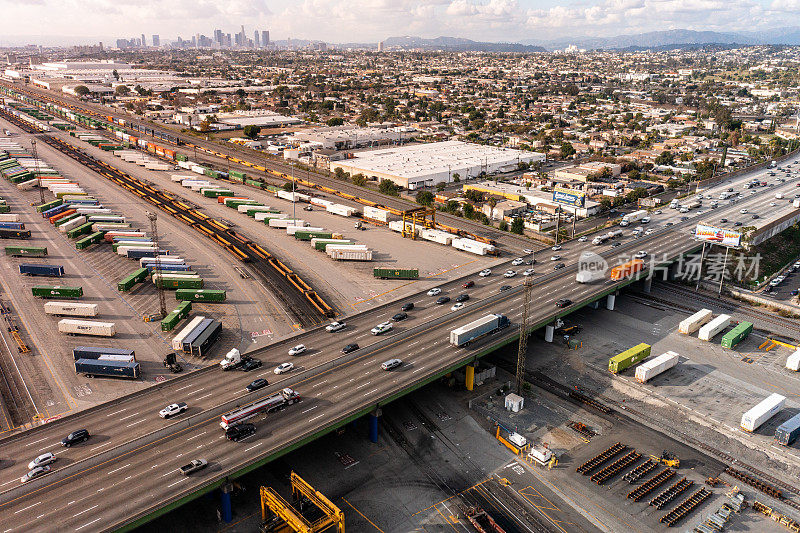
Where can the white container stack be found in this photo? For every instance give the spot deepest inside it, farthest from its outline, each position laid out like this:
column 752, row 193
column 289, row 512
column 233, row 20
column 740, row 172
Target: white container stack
column 653, row 367
column 260, row 217
column 349, row 252
column 284, row 223
column 694, row 322
column 708, row 331
column 341, row 210
column 473, row 246
column 762, row 412
column 437, row 236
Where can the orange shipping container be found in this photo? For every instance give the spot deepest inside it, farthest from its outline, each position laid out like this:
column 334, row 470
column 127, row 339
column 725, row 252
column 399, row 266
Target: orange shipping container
column 626, row 270
column 133, row 140
column 221, row 199
column 55, row 218
column 151, row 147
column 169, row 154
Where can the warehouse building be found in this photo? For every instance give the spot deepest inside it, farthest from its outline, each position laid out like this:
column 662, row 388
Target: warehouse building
column 349, row 137
column 426, row 165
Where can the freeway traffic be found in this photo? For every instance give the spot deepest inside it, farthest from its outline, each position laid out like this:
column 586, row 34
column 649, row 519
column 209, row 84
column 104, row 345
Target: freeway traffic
column 115, row 479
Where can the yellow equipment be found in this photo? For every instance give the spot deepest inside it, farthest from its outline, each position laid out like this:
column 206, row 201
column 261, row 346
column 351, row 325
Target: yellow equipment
column 667, row 459
column 273, row 503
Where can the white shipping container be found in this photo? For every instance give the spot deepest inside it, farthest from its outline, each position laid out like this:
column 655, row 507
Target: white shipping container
column 397, row 225
column 116, row 357
column 321, row 202
column 197, row 169
column 693, row 323
column 473, row 246
column 9, row 217
column 438, row 236
column 762, row 412
column 28, row 185
column 70, row 224
column 793, row 361
column 70, row 309
column 182, row 275
column 260, row 217
column 291, row 230
column 178, row 178
column 284, row 223
column 185, row 164
column 341, row 210
column 376, row 214
column 163, row 259
column 123, row 250
column 93, row 211
column 349, row 255
column 708, row 331
column 177, row 341
column 244, row 208
column 105, row 226
column 657, row 365
column 86, row 327
column 315, row 240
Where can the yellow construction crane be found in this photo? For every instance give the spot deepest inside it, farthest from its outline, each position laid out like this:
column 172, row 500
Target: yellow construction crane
column 667, row 459
column 274, row 506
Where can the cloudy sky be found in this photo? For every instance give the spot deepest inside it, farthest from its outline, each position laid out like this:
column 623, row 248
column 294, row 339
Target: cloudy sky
column 373, row 20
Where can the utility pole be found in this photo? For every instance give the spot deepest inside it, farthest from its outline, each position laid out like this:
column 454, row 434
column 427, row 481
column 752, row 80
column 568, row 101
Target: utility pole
column 36, row 170
column 160, row 285
column 523, row 334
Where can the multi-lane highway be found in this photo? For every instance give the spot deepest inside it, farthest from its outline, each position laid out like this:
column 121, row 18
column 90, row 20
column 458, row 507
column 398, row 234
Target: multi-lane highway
column 127, row 469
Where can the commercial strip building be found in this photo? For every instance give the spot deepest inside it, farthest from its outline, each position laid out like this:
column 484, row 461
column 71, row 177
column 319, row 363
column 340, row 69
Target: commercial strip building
column 536, row 198
column 426, row 165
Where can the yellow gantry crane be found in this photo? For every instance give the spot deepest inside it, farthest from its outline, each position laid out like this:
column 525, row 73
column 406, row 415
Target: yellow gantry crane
column 273, row 504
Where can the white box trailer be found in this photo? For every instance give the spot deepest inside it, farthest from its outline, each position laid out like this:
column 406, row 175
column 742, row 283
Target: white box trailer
column 178, row 178
column 123, row 250
column 244, row 208
column 793, row 361
column 328, row 242
column 9, row 217
column 262, row 216
column 177, row 341
column 341, row 210
column 437, row 236
column 291, row 230
column 163, row 259
column 708, row 331
column 93, row 211
column 70, row 224
column 397, row 225
column 28, row 185
column 284, row 223
column 762, row 412
column 657, row 365
column 375, row 213
column 86, row 327
column 473, row 246
column 70, row 309
column 636, row 215
column 478, row 328
column 694, row 322
column 349, row 253
column 321, row 202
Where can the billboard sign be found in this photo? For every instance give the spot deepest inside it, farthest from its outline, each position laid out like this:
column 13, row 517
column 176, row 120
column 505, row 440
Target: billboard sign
column 717, row 235
column 565, row 196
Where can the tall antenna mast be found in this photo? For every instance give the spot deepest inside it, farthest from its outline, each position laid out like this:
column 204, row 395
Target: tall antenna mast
column 160, row 285
column 36, row 170
column 523, row 334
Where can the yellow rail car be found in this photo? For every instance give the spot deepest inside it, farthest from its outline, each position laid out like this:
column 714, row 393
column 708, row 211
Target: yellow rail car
column 218, row 224
column 238, row 253
column 170, row 210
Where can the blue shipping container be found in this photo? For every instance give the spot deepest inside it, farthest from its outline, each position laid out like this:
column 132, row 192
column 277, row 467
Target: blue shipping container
column 789, row 431
column 94, row 367
column 167, row 267
column 54, row 211
column 41, row 270
column 12, row 225
column 196, row 332
column 93, row 352
column 138, row 254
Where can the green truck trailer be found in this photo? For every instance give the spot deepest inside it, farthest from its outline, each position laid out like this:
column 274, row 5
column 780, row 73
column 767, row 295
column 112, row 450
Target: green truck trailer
column 166, row 282
column 628, row 358
column 215, row 193
column 395, row 273
column 82, row 244
column 50, row 291
column 137, row 276
column 83, row 229
column 207, row 295
column 49, row 205
column 179, row 313
column 737, row 334
column 26, row 251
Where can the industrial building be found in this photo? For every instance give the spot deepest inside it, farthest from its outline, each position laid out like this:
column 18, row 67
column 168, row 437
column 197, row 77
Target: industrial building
column 350, row 137
column 425, row 165
column 541, row 200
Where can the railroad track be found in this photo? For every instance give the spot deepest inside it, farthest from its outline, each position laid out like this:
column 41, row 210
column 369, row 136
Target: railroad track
column 16, row 399
column 300, row 300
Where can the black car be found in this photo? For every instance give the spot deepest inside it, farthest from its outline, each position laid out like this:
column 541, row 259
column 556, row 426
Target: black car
column 505, row 288
column 257, row 384
column 407, row 307
column 616, row 244
column 559, row 266
column 442, row 300
column 564, row 302
column 352, row 347
column 755, row 216
column 242, row 431
column 250, row 364
column 400, row 316
column 737, row 224
column 723, row 220
column 462, row 297
column 82, row 435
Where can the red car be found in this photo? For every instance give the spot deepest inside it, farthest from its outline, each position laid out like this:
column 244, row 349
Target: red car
column 469, row 284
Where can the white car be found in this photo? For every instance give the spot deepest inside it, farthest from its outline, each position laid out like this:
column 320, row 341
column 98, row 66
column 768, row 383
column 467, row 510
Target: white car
column 436, row 291
column 485, row 272
column 556, row 248
column 640, row 255
column 457, row 306
column 555, row 257
column 774, row 282
column 173, row 409
column 518, row 261
column 510, row 273
column 645, row 220
column 44, row 459
column 297, row 350
column 382, row 328
column 659, row 211
column 34, row 473
column 283, row 368
column 743, row 211
column 583, row 238
column 528, row 272
column 649, row 231
column 527, row 251
column 772, row 204
column 335, row 326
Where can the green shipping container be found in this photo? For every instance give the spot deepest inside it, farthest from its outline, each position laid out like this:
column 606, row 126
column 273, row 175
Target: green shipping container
column 49, row 291
column 628, row 358
column 737, row 334
column 181, row 157
column 234, row 204
column 252, row 212
column 89, row 240
column 48, row 205
column 308, row 235
column 19, row 178
column 137, row 276
column 172, row 319
column 26, row 251
column 254, row 183
column 320, row 245
column 83, row 229
column 214, row 193
column 179, row 283
column 65, row 219
column 237, row 174
column 200, row 296
column 395, row 273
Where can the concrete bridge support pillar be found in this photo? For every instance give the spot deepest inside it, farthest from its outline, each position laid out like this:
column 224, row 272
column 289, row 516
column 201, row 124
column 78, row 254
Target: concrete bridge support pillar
column 374, row 417
column 549, row 330
column 648, row 284
column 469, row 382
column 595, row 304
column 225, row 503
column 610, row 301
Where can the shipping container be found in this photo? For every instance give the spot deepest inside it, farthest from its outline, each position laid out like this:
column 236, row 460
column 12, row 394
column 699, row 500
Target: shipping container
column 26, row 251
column 137, row 276
column 12, row 225
column 395, row 273
column 267, row 216
column 57, row 291
column 171, row 320
column 15, row 233
column 348, row 253
column 477, row 329
column 138, row 253
column 206, row 295
column 466, row 245
column 177, row 341
column 186, row 345
column 29, row 269
column 175, row 282
column 708, row 331
column 737, row 334
column 762, row 412
column 83, row 229
column 85, row 242
column 694, row 322
column 626, row 270
column 70, row 309
column 10, row 217
column 99, row 367
column 652, row 368
column 306, row 235
column 628, row 358
column 321, row 244
column 793, row 361
column 163, row 259
column 200, row 346
column 788, row 432
column 86, row 327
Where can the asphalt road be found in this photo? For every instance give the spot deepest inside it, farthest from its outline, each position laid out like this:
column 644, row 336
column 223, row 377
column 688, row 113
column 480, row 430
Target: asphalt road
column 128, row 467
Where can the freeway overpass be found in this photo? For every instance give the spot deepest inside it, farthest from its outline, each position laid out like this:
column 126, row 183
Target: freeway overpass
column 125, row 474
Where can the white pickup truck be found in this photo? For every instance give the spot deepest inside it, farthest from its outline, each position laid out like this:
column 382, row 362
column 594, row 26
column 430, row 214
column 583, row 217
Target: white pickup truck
column 194, row 466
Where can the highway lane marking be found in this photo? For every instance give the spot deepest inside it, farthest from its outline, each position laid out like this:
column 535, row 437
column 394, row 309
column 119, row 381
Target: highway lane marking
column 46, row 447
column 169, row 473
column 100, row 446
column 137, row 422
column 367, row 394
column 117, row 412
column 127, row 417
column 7, row 482
column 204, row 396
column 195, row 391
column 417, row 370
column 88, row 524
column 318, row 384
column 363, row 385
column 28, row 507
column 118, row 469
column 186, row 387
column 36, row 442
column 70, row 503
column 413, row 343
column 85, row 510
column 318, row 416
column 303, row 412
column 199, row 434
column 253, row 447
column 184, row 479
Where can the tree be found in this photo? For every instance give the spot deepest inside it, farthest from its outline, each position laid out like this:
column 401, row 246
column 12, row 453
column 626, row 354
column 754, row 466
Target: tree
column 82, row 90
column 251, row 131
column 388, row 187
column 469, row 210
column 634, row 175
column 503, row 225
column 666, row 158
column 425, row 198
column 288, row 186
column 338, row 173
column 115, row 74
column 122, row 90
column 518, row 226
column 440, row 186
column 473, row 195
column 335, row 121
column 567, row 150
column 359, row 179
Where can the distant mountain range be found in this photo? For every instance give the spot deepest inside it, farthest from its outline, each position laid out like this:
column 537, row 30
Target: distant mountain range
column 457, row 44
